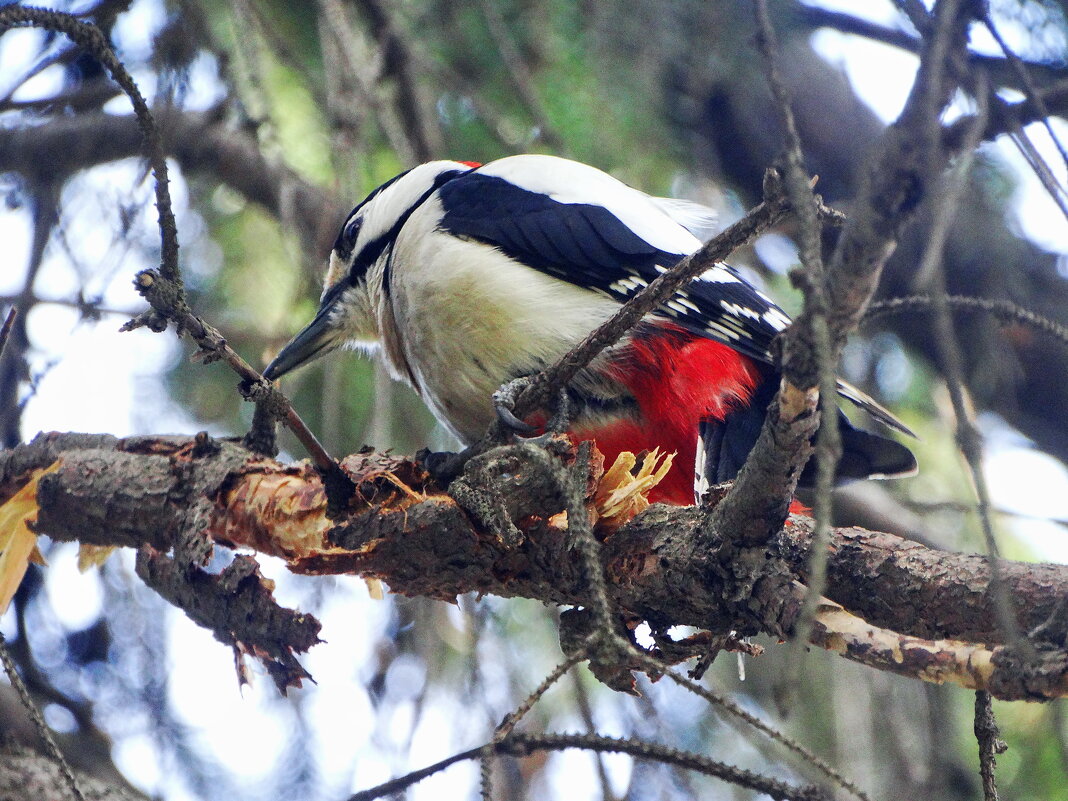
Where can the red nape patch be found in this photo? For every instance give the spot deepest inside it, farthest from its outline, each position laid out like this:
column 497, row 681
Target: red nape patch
column 677, row 379
column 474, row 165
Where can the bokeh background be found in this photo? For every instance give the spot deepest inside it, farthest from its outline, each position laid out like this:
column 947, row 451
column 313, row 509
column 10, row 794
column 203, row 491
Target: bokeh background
column 279, row 117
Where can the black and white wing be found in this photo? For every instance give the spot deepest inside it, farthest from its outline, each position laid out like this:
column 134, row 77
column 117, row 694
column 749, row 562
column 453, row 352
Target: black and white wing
column 579, row 224
column 583, row 226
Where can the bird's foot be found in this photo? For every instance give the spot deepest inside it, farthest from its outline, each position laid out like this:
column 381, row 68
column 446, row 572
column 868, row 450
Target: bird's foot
column 504, row 400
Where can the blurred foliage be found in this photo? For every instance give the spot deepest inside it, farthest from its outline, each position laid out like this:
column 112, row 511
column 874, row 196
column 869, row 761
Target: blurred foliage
column 655, row 92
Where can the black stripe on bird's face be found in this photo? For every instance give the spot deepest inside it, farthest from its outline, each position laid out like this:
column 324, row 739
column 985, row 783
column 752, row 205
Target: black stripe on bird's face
column 350, row 231
column 368, row 252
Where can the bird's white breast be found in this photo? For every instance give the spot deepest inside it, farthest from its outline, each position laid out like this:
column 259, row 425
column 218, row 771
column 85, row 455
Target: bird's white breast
column 473, row 318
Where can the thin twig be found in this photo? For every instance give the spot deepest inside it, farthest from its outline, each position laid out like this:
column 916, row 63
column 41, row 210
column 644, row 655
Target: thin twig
column 1019, row 136
column 38, row 720
column 485, row 775
column 395, row 786
column 1004, row 311
column 1056, row 721
column 818, row 17
column 525, row 744
column 1027, row 148
column 5, row 331
column 510, row 721
column 809, row 337
column 717, row 700
column 990, row 743
column 582, row 700
column 1006, row 117
column 1030, row 90
column 215, row 346
column 1038, row 166
column 521, row 745
column 579, row 528
column 931, row 274
column 87, row 308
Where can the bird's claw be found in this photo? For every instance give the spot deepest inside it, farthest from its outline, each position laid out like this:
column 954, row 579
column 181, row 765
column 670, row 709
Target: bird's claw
column 508, row 419
column 504, row 404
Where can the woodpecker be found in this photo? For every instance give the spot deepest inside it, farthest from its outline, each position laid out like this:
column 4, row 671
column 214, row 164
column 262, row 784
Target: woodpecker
column 466, row 276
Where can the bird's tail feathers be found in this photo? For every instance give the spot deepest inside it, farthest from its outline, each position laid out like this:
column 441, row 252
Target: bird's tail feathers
column 866, row 402
column 723, row 445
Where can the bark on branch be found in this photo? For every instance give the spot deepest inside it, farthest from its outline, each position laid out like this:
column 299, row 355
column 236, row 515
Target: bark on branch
column 27, row 774
column 906, row 607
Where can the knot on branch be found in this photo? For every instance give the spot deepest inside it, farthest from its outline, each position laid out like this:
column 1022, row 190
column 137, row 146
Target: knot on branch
column 164, row 295
column 754, row 588
column 150, row 319
column 613, row 653
column 1038, row 673
column 266, row 396
column 773, row 188
column 502, row 486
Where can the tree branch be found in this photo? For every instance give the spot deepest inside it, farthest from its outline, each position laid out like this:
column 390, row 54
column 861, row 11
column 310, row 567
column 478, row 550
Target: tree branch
column 1000, row 68
column 26, row 774
column 142, row 491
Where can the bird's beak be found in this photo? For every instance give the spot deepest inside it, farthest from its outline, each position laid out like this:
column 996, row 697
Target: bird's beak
column 317, row 338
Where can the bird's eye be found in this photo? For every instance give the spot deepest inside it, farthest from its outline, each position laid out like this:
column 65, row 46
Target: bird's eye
column 351, row 231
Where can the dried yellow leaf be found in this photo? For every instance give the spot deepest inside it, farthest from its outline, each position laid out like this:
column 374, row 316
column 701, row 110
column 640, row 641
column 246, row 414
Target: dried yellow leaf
column 375, row 588
column 93, row 555
column 18, row 543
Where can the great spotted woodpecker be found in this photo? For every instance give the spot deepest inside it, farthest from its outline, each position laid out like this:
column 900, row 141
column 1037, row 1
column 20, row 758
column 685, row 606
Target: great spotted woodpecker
column 467, row 276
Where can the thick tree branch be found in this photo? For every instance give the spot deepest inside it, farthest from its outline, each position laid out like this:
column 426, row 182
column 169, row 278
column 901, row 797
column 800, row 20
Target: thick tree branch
column 1000, row 68
column 904, row 586
column 26, row 774
column 141, row 492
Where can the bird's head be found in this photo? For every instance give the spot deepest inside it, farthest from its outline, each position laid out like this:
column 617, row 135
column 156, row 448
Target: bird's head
column 349, row 309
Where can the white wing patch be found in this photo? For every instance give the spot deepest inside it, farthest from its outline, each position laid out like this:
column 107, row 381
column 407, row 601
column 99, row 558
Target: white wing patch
column 630, row 284
column 776, row 318
column 721, row 331
column 738, row 310
column 700, row 479
column 720, row 274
